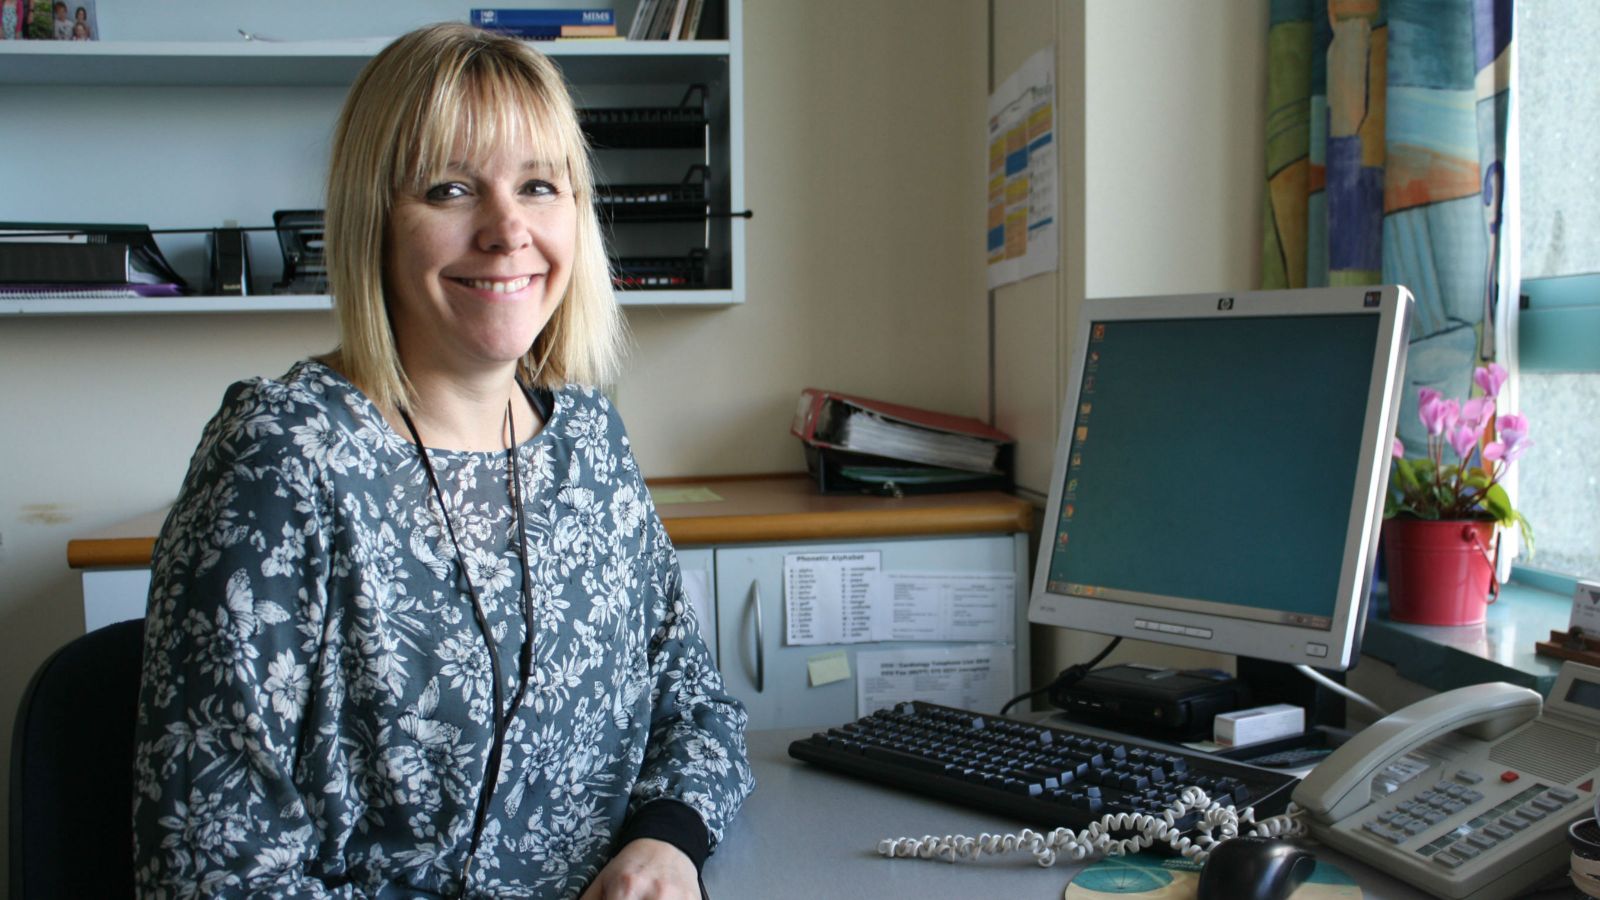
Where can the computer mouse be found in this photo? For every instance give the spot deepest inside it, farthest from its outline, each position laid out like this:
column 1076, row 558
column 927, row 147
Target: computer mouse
column 1254, row 868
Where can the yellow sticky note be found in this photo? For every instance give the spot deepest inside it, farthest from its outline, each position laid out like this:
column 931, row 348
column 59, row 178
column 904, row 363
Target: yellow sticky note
column 826, row 668
column 665, row 496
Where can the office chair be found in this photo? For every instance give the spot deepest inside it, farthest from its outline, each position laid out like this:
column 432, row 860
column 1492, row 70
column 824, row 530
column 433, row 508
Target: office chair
column 72, row 769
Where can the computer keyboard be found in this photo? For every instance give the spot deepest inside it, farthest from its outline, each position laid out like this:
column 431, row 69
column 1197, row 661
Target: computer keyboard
column 1037, row 774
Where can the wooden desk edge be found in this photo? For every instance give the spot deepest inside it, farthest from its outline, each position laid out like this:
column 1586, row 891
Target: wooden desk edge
column 110, row 553
column 1001, row 515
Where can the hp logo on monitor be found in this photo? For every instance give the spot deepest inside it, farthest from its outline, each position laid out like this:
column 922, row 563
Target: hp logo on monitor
column 1224, row 303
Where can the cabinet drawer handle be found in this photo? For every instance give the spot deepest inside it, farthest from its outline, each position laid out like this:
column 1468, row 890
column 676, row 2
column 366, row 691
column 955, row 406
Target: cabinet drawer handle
column 761, row 638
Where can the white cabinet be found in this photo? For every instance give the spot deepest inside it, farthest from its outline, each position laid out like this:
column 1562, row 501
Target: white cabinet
column 190, row 134
column 772, row 678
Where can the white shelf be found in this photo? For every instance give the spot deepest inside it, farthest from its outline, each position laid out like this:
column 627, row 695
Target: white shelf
column 332, row 62
column 277, row 303
column 143, row 306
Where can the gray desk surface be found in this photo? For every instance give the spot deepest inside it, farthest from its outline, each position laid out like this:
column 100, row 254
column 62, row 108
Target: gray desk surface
column 808, row 832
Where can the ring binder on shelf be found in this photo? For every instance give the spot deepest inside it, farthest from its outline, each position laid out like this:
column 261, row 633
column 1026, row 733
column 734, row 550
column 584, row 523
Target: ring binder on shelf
column 857, row 445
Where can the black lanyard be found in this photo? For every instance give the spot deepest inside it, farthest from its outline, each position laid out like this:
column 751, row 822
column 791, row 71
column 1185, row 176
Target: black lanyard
column 502, row 722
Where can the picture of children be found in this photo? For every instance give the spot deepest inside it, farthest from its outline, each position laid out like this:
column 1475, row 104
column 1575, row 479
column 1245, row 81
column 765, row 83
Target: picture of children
column 48, row 20
column 13, row 19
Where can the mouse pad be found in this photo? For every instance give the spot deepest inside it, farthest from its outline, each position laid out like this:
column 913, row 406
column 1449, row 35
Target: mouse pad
column 1150, row 877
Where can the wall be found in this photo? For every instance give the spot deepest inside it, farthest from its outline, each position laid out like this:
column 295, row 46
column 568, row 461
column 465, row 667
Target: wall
column 864, row 150
column 1160, row 118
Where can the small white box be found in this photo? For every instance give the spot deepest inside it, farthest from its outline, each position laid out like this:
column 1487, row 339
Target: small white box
column 1264, row 723
column 1586, row 607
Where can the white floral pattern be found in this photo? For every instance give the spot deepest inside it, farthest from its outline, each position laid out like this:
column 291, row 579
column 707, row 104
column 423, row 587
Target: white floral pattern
column 315, row 713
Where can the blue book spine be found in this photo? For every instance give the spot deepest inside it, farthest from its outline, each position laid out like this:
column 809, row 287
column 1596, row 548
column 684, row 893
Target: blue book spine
column 541, row 18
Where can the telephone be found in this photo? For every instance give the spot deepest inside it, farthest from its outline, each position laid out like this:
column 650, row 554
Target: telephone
column 1466, row 794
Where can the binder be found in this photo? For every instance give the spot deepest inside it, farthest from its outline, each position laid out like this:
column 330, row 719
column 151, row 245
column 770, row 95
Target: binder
column 902, row 449
column 46, row 262
column 143, row 262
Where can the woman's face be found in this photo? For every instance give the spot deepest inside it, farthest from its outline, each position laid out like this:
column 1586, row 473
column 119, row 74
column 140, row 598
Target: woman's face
column 476, row 264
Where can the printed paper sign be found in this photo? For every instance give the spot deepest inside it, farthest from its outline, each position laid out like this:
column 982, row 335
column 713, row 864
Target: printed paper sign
column 827, row 597
column 944, row 606
column 978, row 676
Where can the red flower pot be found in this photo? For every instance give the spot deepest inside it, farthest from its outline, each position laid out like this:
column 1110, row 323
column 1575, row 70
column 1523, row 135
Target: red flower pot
column 1440, row 572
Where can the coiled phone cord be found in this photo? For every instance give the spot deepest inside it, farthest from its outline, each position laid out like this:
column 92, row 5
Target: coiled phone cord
column 1217, row 824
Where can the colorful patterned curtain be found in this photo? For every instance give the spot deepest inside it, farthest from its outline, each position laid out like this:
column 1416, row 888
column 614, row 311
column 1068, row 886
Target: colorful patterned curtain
column 1387, row 160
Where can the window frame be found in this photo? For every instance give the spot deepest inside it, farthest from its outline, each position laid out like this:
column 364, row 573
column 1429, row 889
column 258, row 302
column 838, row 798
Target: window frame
column 1558, row 330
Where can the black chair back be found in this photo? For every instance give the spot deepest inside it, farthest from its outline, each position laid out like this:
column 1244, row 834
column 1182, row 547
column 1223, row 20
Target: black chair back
column 72, row 769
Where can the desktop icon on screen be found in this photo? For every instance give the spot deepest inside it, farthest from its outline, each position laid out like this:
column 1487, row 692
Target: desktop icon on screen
column 1099, row 331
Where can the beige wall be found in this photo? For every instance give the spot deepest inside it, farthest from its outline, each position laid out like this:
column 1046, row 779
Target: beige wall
column 1160, row 112
column 864, row 154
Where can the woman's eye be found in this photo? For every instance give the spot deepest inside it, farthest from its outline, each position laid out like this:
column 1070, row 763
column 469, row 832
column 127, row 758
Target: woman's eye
column 447, row 191
column 541, row 188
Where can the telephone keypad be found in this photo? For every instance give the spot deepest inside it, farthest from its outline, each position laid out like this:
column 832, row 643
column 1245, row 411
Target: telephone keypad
column 1562, row 794
column 1515, row 823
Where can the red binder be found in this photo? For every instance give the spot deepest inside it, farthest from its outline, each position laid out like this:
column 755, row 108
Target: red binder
column 815, row 401
column 847, row 458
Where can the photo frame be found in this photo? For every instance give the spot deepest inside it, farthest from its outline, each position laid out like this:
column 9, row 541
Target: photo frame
column 48, row 20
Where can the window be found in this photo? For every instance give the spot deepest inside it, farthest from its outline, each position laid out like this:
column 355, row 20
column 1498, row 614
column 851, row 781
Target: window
column 1559, row 121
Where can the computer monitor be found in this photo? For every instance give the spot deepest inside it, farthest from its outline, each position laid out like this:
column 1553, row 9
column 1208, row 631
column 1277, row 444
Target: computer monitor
column 1221, row 467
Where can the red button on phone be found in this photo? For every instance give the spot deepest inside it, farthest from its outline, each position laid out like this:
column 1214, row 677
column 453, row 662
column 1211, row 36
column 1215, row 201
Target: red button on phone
column 1509, row 776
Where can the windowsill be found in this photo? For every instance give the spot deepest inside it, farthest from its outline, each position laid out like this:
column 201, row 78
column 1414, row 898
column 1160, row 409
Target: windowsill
column 1501, row 649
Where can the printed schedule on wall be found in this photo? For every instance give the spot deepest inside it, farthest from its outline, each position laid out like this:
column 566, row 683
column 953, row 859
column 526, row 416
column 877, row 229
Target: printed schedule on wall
column 1021, row 238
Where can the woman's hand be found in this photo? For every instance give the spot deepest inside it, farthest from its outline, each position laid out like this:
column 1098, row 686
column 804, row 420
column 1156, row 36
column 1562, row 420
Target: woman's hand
column 646, row 869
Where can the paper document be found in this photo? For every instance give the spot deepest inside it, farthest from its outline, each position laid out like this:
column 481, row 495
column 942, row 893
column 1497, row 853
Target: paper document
column 977, row 677
column 944, row 606
column 827, row 597
column 1022, row 237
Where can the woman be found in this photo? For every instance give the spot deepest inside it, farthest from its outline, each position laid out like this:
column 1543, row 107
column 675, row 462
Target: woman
column 342, row 693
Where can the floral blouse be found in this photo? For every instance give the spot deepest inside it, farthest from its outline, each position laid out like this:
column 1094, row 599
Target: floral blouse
column 316, row 708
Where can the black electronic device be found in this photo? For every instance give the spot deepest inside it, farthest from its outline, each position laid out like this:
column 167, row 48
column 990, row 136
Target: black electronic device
column 305, row 268
column 1041, row 774
column 1254, row 868
column 229, row 250
column 1152, row 702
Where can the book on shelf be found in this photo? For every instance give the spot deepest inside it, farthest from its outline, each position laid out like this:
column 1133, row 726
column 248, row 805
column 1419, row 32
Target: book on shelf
column 667, row 20
column 892, row 430
column 555, row 32
column 502, row 19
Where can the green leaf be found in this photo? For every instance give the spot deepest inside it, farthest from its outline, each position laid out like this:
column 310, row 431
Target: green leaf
column 1476, row 478
column 1403, row 469
column 1498, row 503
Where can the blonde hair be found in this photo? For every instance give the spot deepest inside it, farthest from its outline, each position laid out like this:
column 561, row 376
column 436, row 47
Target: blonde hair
column 407, row 114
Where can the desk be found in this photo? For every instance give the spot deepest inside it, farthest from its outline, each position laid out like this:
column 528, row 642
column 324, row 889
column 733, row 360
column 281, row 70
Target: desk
column 751, row 508
column 808, row 832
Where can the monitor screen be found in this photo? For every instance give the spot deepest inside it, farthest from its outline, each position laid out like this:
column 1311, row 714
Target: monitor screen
column 1220, row 471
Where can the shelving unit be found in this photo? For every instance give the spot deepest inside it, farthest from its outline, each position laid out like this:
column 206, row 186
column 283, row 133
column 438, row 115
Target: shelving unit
column 162, row 76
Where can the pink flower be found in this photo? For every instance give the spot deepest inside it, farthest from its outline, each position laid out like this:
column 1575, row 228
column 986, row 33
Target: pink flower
column 1463, row 439
column 1491, row 378
column 1513, row 439
column 1475, row 413
column 1437, row 415
column 1399, row 449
